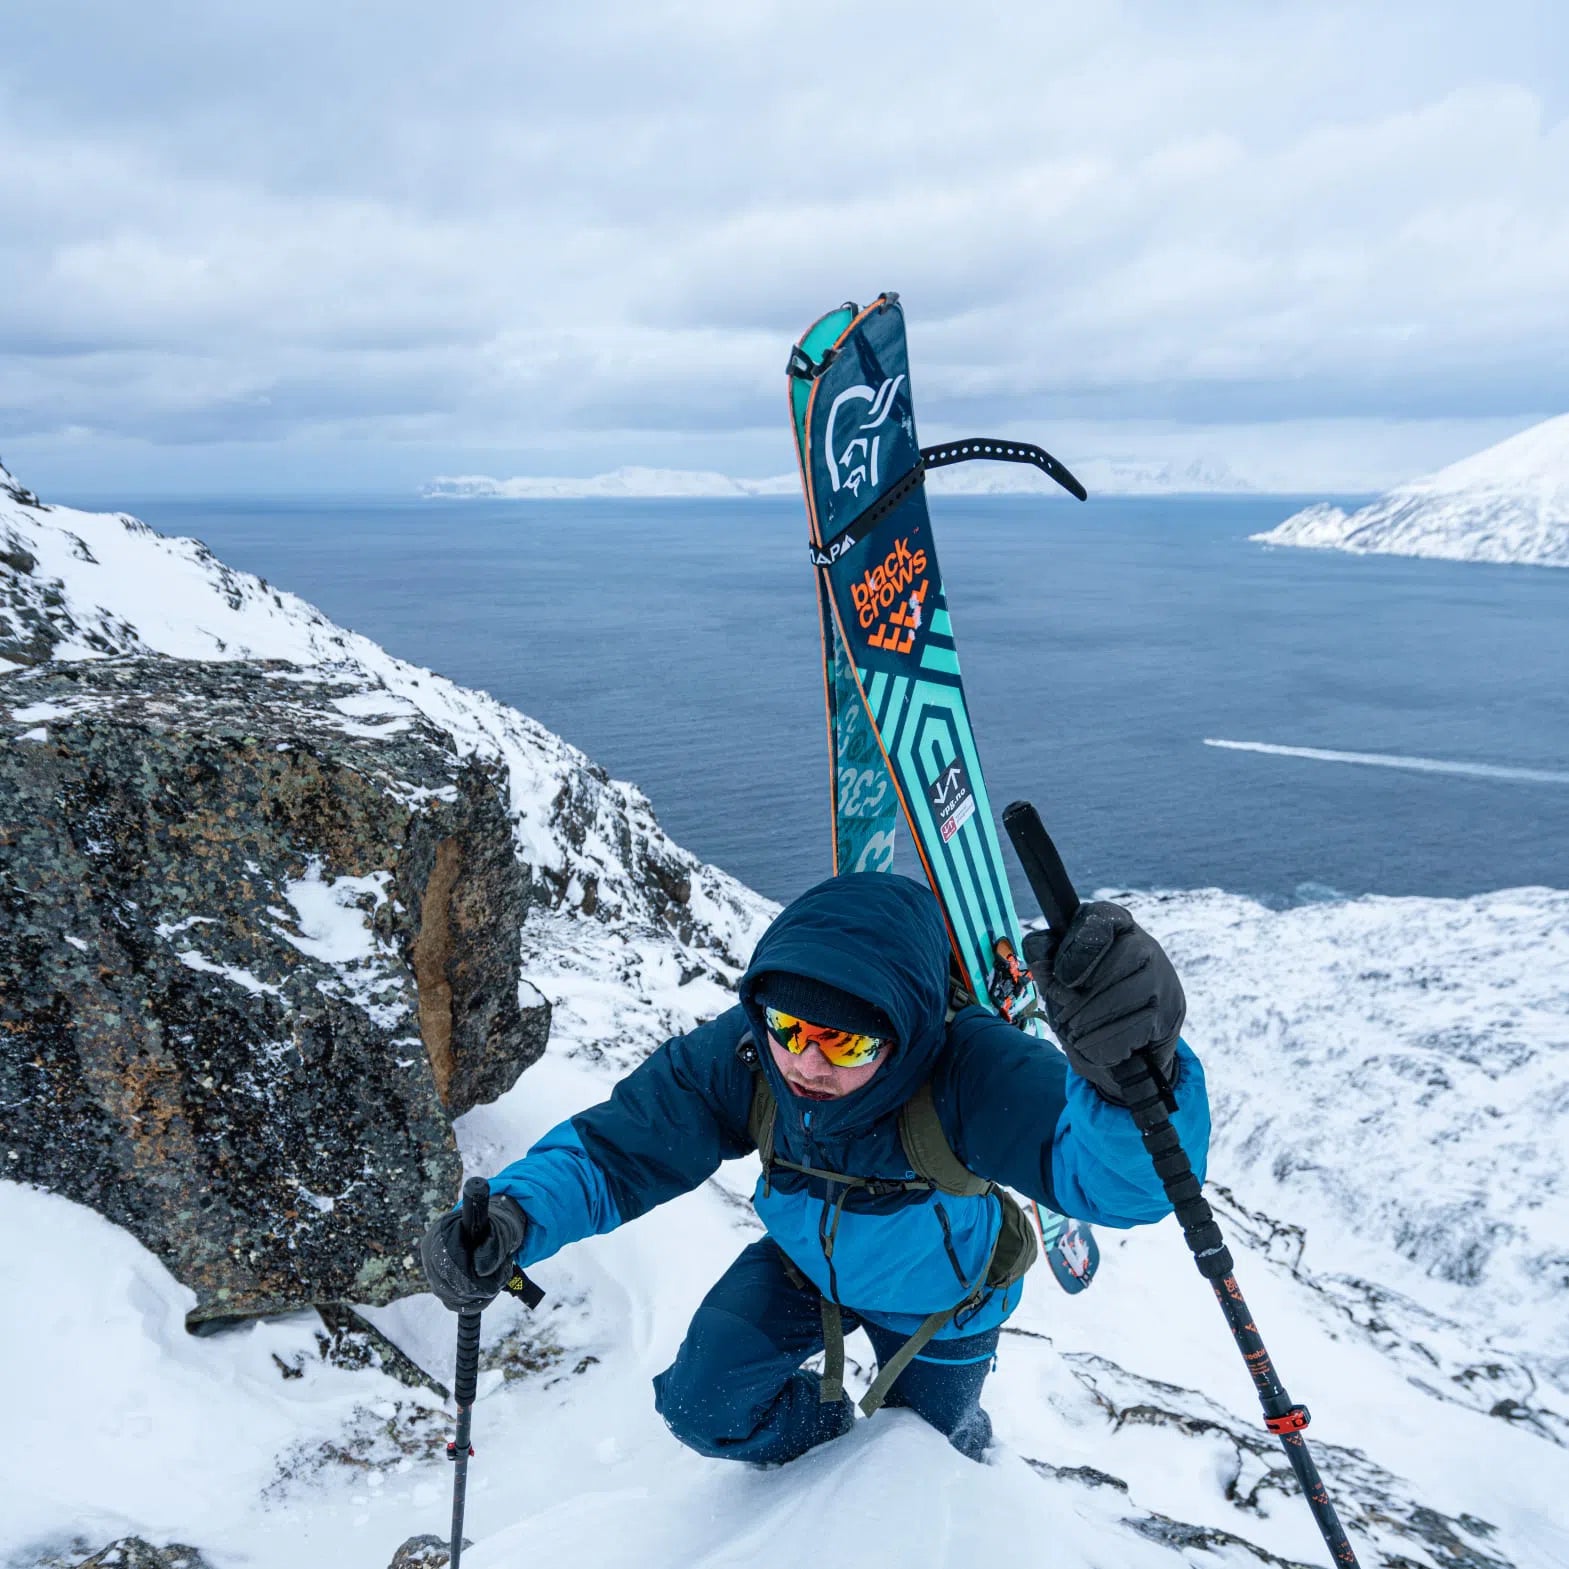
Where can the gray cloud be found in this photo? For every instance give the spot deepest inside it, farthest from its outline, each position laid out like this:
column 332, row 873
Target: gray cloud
column 502, row 230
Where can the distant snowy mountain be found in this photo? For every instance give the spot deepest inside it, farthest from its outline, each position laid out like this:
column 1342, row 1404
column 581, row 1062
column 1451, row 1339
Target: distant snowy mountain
column 1109, row 476
column 627, row 482
column 1391, row 1084
column 1101, row 476
column 1509, row 503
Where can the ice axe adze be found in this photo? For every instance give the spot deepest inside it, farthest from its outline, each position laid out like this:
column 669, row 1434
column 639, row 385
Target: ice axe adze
column 1151, row 1103
column 474, row 1228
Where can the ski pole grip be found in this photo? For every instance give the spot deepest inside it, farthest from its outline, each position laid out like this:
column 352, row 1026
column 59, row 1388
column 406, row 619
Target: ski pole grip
column 1048, row 877
column 1141, row 1092
column 474, row 1225
column 1147, row 1105
column 466, row 1381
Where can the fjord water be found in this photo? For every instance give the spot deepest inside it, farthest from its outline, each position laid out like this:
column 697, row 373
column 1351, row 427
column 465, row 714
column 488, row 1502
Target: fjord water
column 676, row 642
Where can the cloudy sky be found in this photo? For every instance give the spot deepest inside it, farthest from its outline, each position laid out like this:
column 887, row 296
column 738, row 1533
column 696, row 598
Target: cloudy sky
column 270, row 245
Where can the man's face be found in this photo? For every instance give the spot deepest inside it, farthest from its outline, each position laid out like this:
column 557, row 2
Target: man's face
column 813, row 1077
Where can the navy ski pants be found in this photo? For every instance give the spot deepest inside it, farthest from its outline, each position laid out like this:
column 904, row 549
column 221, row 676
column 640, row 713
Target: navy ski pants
column 736, row 1389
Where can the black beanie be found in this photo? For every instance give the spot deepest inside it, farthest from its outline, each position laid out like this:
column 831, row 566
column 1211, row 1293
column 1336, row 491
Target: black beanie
column 819, row 1003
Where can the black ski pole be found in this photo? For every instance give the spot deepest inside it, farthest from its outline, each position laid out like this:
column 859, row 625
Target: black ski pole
column 1151, row 1102
column 474, row 1228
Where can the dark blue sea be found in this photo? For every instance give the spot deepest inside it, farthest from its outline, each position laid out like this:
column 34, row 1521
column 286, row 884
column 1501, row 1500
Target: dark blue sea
column 676, row 642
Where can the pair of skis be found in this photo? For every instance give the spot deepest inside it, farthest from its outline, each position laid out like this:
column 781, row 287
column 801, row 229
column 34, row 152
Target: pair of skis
column 900, row 742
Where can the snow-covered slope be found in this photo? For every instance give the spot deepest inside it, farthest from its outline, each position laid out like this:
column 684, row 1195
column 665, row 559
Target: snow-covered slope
column 1392, row 1106
column 1128, row 1428
column 1509, row 503
column 85, row 585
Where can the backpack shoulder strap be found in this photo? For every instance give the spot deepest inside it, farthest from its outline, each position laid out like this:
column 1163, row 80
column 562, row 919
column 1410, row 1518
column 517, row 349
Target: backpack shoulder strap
column 760, row 1117
column 927, row 1148
column 760, row 1114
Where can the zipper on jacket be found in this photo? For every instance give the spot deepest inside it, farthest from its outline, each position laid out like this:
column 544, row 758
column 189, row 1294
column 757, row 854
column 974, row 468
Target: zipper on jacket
column 947, row 1242
column 825, row 1237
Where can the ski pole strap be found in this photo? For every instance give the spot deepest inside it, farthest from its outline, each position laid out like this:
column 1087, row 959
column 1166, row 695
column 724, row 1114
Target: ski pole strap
column 1148, row 1106
column 520, row 1286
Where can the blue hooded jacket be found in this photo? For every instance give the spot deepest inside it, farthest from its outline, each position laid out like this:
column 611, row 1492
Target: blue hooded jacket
column 1012, row 1109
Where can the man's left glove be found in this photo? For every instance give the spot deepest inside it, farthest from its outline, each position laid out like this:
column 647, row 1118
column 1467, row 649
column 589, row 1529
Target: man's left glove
column 466, row 1280
column 1109, row 991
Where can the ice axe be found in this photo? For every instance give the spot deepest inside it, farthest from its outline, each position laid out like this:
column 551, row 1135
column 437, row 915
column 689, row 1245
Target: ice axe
column 1151, row 1103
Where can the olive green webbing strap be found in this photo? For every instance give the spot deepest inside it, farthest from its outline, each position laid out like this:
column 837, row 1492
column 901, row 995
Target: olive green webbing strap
column 760, row 1119
column 832, row 1385
column 933, row 1158
column 889, row 1372
column 928, row 1149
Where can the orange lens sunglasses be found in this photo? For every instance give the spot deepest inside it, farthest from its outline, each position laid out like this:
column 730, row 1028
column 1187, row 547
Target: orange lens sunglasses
column 843, row 1048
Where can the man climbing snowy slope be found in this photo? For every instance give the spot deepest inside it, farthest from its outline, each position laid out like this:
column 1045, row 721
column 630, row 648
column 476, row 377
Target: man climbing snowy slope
column 842, row 1025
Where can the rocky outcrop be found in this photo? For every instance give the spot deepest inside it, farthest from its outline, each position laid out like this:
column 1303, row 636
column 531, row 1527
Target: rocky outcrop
column 128, row 1552
column 268, row 901
column 259, row 943
column 425, row 1552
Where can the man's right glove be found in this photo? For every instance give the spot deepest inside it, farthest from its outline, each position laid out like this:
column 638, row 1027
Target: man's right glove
column 464, row 1279
column 1109, row 991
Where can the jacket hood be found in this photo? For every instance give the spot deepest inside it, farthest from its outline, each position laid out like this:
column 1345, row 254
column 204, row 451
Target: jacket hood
column 884, row 939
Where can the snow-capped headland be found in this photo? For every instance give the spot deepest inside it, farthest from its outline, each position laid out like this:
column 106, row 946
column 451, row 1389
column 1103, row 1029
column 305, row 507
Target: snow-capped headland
column 1509, row 503
column 629, row 482
column 1391, row 1083
column 1106, row 476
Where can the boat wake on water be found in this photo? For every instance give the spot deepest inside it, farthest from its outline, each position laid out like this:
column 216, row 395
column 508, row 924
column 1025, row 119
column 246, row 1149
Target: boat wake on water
column 1421, row 765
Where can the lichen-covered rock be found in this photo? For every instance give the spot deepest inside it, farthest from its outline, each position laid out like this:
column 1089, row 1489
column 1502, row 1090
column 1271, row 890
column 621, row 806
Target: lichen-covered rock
column 128, row 1552
column 425, row 1552
column 259, row 942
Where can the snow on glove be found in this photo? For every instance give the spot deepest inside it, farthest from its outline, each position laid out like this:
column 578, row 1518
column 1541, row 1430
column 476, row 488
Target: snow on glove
column 465, row 1279
column 1109, row 991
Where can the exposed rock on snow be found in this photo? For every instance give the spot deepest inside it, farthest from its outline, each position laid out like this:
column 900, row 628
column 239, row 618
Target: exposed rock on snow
column 1396, row 1081
column 1439, row 1356
column 1374, row 1506
column 265, row 899
column 130, row 1552
column 258, row 944
column 1509, row 503
column 425, row 1552
column 94, row 584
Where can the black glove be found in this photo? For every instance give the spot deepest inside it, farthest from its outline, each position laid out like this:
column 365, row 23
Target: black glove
column 467, row 1280
column 1109, row 991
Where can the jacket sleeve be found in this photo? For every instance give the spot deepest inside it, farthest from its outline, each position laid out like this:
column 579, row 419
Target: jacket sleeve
column 664, row 1131
column 1019, row 1115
